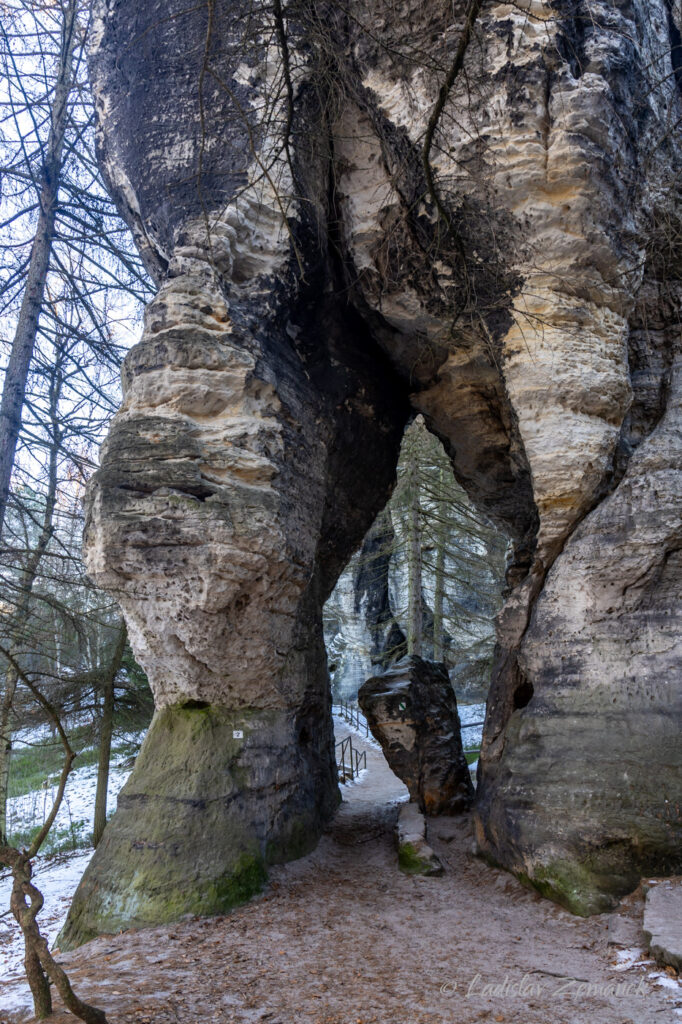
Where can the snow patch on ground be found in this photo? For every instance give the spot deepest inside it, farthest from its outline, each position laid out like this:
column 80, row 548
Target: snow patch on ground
column 75, row 814
column 471, row 734
column 361, row 729
column 57, row 879
column 358, row 780
column 627, row 958
column 16, row 1000
column 666, row 981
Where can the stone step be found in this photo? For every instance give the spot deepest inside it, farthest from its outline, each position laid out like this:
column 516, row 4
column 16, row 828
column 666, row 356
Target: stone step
column 663, row 921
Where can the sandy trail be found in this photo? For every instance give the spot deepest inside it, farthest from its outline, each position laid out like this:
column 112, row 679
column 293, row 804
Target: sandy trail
column 342, row 937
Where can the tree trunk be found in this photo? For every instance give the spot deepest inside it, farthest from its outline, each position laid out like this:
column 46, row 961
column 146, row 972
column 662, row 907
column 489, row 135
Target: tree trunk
column 106, row 730
column 38, row 983
column 16, row 375
column 38, row 961
column 439, row 586
column 26, row 585
column 6, row 746
column 414, row 561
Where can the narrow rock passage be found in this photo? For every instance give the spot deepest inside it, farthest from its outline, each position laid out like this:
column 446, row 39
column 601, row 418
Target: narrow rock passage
column 342, row 937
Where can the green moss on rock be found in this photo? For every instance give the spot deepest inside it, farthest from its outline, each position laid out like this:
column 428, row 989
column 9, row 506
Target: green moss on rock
column 571, row 885
column 199, row 819
column 247, row 877
column 411, row 863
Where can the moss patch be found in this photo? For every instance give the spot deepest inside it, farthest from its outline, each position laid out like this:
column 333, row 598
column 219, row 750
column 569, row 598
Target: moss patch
column 410, row 862
column 203, row 813
column 575, row 886
column 247, row 877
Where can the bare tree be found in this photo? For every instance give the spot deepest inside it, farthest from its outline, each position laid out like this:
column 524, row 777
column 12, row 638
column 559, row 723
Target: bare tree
column 70, row 282
column 62, row 243
column 27, row 581
column 106, row 733
column 47, row 181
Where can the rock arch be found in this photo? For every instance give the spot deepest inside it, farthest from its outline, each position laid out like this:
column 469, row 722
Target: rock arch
column 322, row 271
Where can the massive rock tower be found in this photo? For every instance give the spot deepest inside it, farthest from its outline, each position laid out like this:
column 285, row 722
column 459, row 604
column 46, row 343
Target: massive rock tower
column 354, row 211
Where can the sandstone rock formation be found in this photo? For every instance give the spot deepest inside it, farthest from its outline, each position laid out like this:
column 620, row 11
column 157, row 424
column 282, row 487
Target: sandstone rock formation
column 412, row 711
column 415, row 856
column 662, row 925
column 465, row 209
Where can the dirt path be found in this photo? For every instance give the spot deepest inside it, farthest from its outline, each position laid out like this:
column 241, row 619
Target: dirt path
column 378, row 785
column 342, row 937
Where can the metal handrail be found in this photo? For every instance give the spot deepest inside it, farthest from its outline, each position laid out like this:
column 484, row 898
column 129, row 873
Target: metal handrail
column 351, row 714
column 360, row 759
column 471, row 725
column 349, row 760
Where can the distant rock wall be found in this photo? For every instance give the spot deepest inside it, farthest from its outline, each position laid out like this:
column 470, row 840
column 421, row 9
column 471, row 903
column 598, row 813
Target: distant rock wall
column 337, row 237
column 365, row 616
column 361, row 628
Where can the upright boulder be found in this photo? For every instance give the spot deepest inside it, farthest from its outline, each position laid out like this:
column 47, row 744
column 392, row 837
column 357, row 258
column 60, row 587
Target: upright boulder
column 662, row 925
column 412, row 712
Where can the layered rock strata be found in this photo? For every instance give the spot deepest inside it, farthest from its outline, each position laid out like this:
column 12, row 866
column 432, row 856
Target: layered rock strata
column 472, row 207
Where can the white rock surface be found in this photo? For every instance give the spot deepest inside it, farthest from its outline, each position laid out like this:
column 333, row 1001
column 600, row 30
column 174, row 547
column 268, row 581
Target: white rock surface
column 663, row 921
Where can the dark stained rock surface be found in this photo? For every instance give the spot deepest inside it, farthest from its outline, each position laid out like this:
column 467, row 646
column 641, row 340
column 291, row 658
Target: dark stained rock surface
column 412, row 711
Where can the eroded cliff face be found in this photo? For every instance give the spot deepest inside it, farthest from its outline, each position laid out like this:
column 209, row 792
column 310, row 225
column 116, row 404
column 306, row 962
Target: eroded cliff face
column 480, row 223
